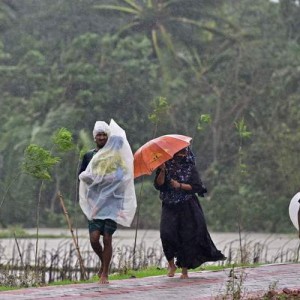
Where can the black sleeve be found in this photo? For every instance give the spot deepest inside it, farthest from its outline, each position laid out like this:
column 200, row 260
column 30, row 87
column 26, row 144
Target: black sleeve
column 196, row 183
column 84, row 163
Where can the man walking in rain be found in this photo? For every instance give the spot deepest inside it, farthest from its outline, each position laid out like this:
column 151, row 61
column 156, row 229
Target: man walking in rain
column 106, row 190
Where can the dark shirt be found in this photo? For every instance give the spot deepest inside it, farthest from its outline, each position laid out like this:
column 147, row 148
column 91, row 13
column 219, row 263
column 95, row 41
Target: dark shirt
column 87, row 157
column 194, row 181
column 170, row 195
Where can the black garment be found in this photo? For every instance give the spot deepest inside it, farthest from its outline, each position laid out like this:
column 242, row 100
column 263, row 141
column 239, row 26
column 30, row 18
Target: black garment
column 167, row 192
column 87, row 157
column 183, row 229
column 184, row 235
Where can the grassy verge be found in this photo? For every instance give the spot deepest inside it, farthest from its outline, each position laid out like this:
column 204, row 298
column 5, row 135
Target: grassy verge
column 152, row 271
column 128, row 273
column 8, row 288
column 21, row 234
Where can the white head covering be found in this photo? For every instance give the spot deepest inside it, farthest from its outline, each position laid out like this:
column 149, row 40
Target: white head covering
column 101, row 126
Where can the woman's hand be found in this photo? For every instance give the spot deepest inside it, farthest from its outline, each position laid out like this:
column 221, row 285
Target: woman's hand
column 160, row 180
column 162, row 167
column 175, row 184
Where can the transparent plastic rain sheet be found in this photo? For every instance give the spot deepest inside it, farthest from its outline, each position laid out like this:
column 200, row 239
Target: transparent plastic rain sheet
column 106, row 189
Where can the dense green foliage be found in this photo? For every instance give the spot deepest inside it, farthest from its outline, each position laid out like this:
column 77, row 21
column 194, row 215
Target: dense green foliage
column 207, row 69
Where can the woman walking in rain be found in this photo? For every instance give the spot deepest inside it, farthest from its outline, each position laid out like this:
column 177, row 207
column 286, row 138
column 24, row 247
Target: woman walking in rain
column 183, row 229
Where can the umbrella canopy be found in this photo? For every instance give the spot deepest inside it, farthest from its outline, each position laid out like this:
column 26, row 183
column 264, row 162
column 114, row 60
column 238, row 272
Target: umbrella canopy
column 293, row 210
column 157, row 151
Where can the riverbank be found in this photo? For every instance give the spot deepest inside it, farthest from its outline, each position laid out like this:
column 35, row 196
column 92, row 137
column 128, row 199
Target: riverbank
column 57, row 257
column 259, row 247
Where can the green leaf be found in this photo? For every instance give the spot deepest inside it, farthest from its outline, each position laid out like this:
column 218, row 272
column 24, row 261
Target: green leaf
column 160, row 108
column 242, row 129
column 63, row 140
column 203, row 121
column 38, row 162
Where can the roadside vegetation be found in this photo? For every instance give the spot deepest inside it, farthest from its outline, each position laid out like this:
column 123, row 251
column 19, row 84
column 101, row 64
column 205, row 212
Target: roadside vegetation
column 66, row 64
column 225, row 73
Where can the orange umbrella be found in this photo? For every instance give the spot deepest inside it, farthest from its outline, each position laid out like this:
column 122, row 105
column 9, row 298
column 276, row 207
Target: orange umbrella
column 157, row 151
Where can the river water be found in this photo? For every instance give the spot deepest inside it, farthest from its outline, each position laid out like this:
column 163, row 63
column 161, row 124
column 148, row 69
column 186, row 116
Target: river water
column 254, row 247
column 58, row 258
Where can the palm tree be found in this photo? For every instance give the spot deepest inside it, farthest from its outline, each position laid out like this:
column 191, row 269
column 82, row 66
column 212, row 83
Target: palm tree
column 172, row 25
column 178, row 29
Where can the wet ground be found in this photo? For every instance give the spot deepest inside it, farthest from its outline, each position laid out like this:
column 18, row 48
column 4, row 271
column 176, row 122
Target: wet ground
column 248, row 282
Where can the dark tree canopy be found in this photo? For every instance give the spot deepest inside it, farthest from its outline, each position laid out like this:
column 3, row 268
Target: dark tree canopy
column 199, row 68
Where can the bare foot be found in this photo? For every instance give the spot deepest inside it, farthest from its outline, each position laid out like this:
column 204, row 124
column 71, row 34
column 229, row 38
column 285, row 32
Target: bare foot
column 171, row 271
column 103, row 279
column 184, row 274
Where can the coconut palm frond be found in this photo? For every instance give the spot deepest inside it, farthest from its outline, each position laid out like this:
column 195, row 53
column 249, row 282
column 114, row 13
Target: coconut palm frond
column 128, row 27
column 205, row 28
column 155, row 43
column 116, row 8
column 167, row 39
column 150, row 3
column 174, row 26
column 133, row 4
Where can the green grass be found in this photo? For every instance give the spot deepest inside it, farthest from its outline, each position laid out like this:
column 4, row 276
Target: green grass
column 32, row 236
column 148, row 272
column 7, row 288
column 155, row 271
column 151, row 271
column 21, row 234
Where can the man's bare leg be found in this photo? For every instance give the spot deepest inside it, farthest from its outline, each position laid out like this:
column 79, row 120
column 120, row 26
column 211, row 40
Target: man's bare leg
column 184, row 273
column 95, row 243
column 106, row 255
column 171, row 268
